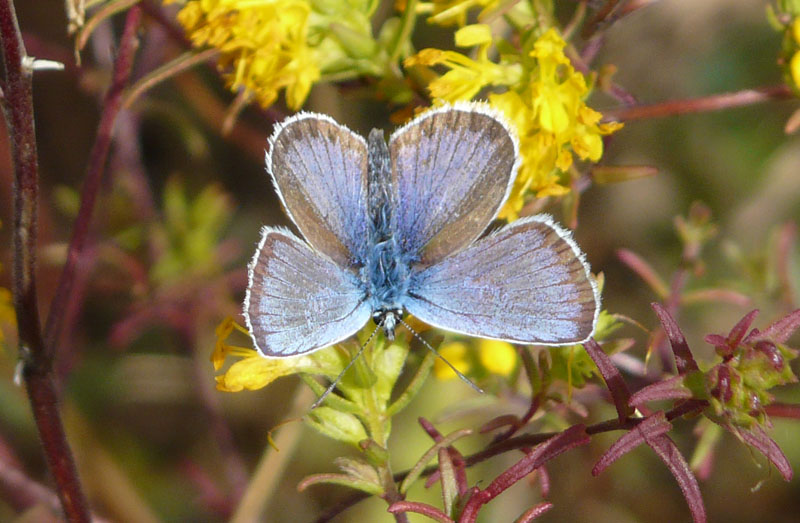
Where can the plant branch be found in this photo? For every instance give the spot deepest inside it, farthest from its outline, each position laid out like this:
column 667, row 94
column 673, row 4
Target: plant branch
column 36, row 360
column 705, row 104
column 515, row 443
column 112, row 103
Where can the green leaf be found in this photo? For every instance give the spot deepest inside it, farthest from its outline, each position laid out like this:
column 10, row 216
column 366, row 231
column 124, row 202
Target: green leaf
column 387, row 366
column 341, row 479
column 414, row 386
column 340, row 426
column 448, row 480
column 358, row 470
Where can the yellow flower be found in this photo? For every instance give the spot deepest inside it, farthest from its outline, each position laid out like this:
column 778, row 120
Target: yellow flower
column 553, row 122
column 456, row 353
column 263, row 44
column 794, row 68
column 454, row 12
column 222, row 349
column 254, row 371
column 498, row 357
column 466, row 76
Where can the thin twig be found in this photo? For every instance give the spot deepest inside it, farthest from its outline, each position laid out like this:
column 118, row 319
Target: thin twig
column 705, row 104
column 263, row 484
column 36, row 360
column 94, row 174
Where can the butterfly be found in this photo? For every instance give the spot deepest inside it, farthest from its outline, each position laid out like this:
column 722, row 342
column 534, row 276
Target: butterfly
column 397, row 227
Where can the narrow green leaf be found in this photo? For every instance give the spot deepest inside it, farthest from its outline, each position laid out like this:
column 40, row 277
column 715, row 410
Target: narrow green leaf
column 448, row 479
column 414, row 386
column 445, row 442
column 341, row 479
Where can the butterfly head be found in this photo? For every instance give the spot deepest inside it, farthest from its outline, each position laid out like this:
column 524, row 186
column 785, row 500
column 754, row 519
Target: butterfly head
column 387, row 319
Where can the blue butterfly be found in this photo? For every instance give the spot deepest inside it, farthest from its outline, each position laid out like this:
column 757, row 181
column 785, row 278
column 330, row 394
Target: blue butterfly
column 396, row 227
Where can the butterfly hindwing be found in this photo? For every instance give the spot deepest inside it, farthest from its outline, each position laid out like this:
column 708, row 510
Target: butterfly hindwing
column 298, row 300
column 526, row 283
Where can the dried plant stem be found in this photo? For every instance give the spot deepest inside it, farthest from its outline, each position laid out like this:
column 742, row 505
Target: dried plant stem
column 37, row 363
column 705, row 104
column 273, row 462
column 94, row 174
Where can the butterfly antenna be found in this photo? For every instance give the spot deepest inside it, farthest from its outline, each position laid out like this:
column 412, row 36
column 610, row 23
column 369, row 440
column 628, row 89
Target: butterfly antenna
column 458, row 372
column 335, row 382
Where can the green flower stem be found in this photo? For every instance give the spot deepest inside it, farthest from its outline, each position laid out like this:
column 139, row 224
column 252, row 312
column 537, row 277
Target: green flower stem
column 416, row 471
column 378, row 426
column 270, row 468
column 407, row 23
column 174, row 67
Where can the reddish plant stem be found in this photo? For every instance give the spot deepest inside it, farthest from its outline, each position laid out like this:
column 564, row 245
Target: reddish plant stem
column 783, row 410
column 128, row 44
column 705, row 104
column 37, row 363
column 20, row 491
column 603, row 15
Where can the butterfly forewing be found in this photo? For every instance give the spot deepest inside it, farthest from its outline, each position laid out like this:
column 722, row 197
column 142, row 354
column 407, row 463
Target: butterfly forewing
column 320, row 172
column 525, row 283
column 298, row 300
column 452, row 169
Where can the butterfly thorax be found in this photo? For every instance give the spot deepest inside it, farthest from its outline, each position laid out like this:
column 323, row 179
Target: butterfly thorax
column 385, row 273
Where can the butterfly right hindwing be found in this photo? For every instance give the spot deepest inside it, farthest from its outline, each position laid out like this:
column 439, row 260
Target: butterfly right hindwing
column 526, row 283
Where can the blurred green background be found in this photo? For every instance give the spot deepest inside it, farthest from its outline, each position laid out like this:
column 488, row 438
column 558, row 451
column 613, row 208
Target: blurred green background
column 138, row 394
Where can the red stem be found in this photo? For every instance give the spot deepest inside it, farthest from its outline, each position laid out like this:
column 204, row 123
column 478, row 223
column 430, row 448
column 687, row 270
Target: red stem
column 36, row 361
column 123, row 64
column 715, row 102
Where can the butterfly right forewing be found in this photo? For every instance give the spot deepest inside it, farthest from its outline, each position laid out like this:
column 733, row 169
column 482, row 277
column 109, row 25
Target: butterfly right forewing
column 452, row 170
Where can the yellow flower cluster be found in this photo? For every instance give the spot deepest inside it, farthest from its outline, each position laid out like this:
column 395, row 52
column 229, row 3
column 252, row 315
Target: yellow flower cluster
column 544, row 98
column 252, row 371
column 263, row 44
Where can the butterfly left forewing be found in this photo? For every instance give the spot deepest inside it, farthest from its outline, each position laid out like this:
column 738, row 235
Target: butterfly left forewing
column 319, row 168
column 525, row 283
